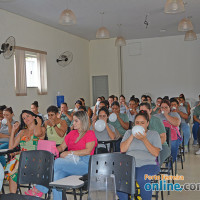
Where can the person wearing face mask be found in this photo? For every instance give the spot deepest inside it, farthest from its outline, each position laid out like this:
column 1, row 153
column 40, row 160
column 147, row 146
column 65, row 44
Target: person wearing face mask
column 171, row 120
column 5, row 130
column 156, row 124
column 96, row 107
column 131, row 110
column 156, row 109
column 145, row 148
column 184, row 116
column 56, row 128
column 78, row 103
column 122, row 103
column 108, row 133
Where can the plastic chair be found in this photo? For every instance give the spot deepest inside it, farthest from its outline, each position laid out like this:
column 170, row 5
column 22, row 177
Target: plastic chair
column 168, row 161
column 17, row 197
column 121, row 165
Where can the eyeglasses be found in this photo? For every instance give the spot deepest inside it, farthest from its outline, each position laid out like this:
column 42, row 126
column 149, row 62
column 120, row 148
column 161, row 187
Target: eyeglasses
column 164, row 107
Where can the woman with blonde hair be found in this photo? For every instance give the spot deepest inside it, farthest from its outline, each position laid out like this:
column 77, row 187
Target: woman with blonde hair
column 81, row 143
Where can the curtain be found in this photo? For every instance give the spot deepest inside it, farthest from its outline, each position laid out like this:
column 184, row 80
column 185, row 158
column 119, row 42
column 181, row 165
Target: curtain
column 42, row 74
column 20, row 73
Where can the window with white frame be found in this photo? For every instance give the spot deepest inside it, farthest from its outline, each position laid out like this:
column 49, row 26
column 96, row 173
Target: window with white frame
column 31, row 69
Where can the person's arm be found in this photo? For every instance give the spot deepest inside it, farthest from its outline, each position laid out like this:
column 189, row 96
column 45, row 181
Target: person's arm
column 152, row 149
column 70, row 116
column 196, row 119
column 125, row 125
column 14, row 141
column 9, row 127
column 39, row 131
column 182, row 114
column 84, row 152
column 188, row 109
column 89, row 112
column 4, row 135
column 125, row 144
column 63, row 128
column 163, row 137
column 110, row 132
column 62, row 147
column 172, row 120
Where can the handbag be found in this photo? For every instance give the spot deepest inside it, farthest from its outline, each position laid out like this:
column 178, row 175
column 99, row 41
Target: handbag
column 48, row 145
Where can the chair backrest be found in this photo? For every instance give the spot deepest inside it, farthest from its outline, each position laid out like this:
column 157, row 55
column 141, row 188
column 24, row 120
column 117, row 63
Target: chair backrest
column 121, row 165
column 168, row 136
column 35, row 167
column 18, row 197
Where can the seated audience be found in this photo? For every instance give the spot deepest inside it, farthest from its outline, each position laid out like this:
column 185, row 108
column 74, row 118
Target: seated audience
column 31, row 131
column 184, row 116
column 171, row 120
column 5, row 131
column 56, row 128
column 122, row 122
column 156, row 109
column 78, row 103
column 1, row 111
column 88, row 109
column 156, row 124
column 145, row 148
column 65, row 114
column 115, row 98
column 81, row 143
column 144, row 98
column 149, row 99
column 131, row 110
column 108, row 133
column 122, row 103
column 196, row 120
column 110, row 100
column 96, row 107
column 34, row 109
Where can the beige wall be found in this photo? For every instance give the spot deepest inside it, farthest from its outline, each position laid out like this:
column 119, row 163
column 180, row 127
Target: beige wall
column 104, row 61
column 71, row 81
column 166, row 66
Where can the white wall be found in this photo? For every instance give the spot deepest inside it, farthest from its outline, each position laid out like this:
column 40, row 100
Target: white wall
column 72, row 81
column 166, row 66
column 104, row 61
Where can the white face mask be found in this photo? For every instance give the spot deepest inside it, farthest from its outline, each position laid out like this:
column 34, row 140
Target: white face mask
column 181, row 104
column 162, row 112
column 98, row 102
column 4, row 121
column 75, row 109
column 173, row 108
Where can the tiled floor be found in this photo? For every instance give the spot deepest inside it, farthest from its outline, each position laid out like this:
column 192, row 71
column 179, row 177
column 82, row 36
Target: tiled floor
column 191, row 173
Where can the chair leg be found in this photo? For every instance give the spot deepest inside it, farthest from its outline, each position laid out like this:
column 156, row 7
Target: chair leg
column 64, row 196
column 74, row 191
column 162, row 196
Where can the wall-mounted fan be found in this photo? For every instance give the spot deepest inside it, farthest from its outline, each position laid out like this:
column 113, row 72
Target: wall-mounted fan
column 8, row 47
column 65, row 58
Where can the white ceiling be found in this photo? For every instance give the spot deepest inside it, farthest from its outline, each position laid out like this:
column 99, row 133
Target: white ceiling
column 130, row 13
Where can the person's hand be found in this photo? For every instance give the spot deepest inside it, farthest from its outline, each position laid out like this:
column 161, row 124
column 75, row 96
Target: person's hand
column 93, row 123
column 16, row 126
column 59, row 114
column 94, row 117
column 39, row 121
column 52, row 122
column 64, row 154
column 140, row 136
